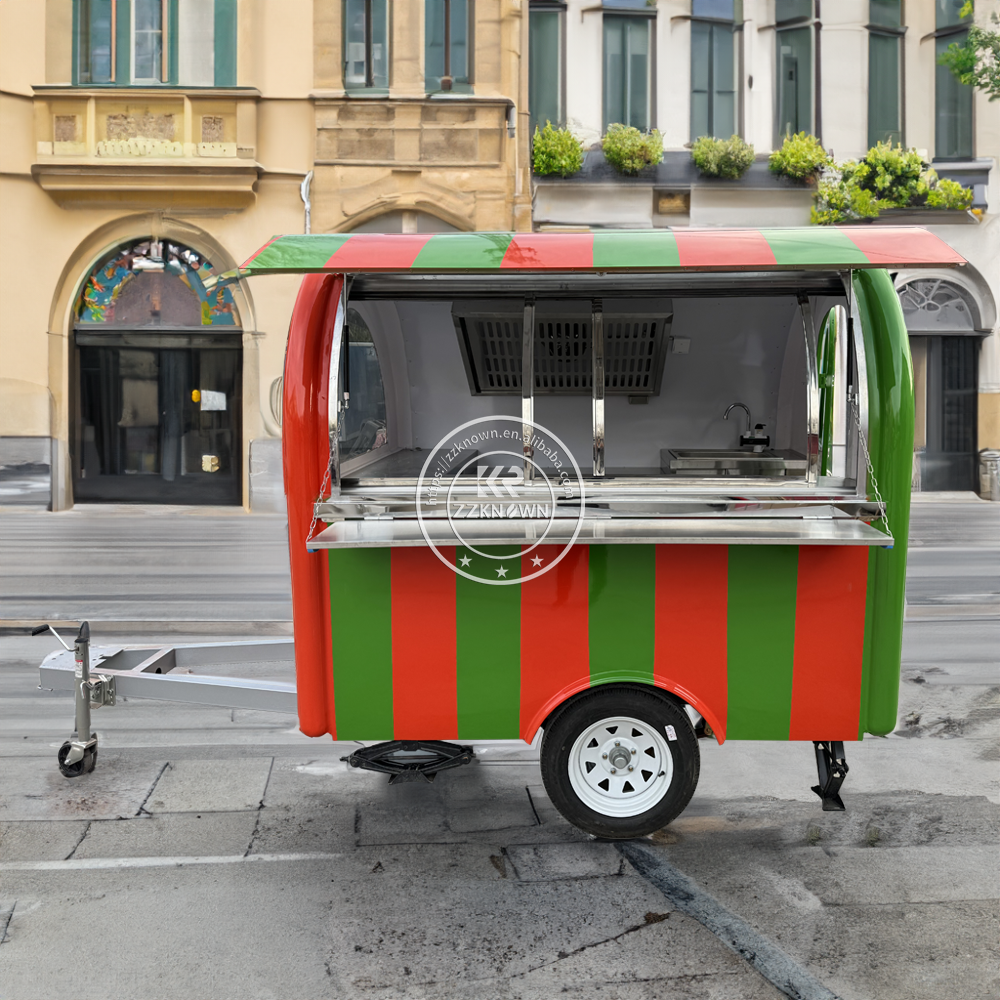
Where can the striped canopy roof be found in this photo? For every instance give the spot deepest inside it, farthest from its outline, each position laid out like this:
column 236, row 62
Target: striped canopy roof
column 815, row 248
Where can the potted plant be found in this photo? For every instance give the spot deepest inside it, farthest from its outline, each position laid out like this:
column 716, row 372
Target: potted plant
column 727, row 158
column 801, row 157
column 628, row 150
column 555, row 151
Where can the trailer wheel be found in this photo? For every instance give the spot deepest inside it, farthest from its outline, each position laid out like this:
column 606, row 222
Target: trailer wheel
column 84, row 766
column 620, row 761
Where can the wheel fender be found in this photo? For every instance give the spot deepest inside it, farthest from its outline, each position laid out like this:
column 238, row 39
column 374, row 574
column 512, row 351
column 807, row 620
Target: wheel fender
column 682, row 694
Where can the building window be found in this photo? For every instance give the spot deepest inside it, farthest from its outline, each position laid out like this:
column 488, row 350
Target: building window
column 448, row 45
column 714, row 70
column 952, row 100
column 186, row 43
column 95, row 49
column 545, row 63
column 628, row 70
column 366, row 49
column 150, row 60
column 796, row 59
column 885, row 71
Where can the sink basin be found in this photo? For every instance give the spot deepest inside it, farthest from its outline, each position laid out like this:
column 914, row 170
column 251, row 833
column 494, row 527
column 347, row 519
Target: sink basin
column 722, row 462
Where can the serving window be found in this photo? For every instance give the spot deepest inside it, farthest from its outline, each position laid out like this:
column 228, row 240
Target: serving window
column 689, row 387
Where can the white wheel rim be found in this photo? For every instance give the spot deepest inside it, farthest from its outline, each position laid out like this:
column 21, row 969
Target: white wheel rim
column 621, row 766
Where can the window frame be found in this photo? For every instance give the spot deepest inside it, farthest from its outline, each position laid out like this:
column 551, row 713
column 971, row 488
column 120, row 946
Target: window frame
column 168, row 45
column 461, row 86
column 369, row 86
column 557, row 7
column 899, row 33
column 954, row 32
column 813, row 24
column 626, row 14
column 225, row 43
column 735, row 24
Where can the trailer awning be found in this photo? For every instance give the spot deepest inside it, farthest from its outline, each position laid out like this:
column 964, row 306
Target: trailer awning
column 621, row 251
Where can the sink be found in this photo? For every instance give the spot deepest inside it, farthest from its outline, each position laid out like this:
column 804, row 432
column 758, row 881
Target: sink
column 735, row 462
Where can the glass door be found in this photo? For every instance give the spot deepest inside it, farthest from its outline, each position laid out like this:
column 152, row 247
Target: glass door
column 158, row 423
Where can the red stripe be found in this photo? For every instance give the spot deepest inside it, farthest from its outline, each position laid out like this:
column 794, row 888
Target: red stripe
column 692, row 600
column 424, row 681
column 829, row 642
column 565, row 251
column 305, row 445
column 378, row 251
column 898, row 246
column 555, row 640
column 254, row 256
column 723, row 248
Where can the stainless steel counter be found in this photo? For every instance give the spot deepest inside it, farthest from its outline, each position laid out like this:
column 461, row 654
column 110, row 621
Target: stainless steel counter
column 390, row 532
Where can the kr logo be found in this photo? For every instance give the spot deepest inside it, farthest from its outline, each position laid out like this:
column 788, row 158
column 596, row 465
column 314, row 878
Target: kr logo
column 492, row 483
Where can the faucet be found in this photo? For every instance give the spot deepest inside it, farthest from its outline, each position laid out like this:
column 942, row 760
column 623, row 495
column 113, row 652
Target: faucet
column 756, row 439
column 742, row 406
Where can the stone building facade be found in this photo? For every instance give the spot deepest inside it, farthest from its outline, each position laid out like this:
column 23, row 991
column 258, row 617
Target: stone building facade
column 149, row 145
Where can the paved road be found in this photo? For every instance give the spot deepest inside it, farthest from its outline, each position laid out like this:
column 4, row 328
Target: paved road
column 218, row 853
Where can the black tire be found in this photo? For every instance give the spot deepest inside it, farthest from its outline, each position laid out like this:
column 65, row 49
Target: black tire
column 588, row 712
column 84, row 766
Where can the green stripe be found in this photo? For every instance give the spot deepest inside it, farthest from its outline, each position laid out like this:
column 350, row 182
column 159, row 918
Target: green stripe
column 647, row 249
column 890, row 441
column 488, row 641
column 462, row 251
column 622, row 612
column 361, row 630
column 821, row 246
column 298, row 253
column 225, row 43
column 761, row 640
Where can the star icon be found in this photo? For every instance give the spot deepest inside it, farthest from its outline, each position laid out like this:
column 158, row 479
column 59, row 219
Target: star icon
column 465, row 560
column 536, row 560
column 502, row 571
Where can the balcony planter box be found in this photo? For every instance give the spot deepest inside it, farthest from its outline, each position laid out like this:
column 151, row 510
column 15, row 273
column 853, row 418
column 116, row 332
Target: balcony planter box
column 600, row 196
column 924, row 217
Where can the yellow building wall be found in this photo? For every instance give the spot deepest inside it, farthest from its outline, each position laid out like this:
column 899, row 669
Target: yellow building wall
column 50, row 241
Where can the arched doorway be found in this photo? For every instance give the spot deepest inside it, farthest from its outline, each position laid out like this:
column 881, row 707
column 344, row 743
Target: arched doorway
column 158, row 364
column 943, row 322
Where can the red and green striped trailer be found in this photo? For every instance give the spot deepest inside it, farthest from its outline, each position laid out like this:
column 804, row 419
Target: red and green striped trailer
column 738, row 592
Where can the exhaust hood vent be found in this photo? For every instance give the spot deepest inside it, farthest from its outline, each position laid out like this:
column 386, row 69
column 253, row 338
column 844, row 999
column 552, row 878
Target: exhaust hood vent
column 490, row 339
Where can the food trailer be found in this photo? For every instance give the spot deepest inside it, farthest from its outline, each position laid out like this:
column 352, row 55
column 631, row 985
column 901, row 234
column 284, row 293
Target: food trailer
column 614, row 491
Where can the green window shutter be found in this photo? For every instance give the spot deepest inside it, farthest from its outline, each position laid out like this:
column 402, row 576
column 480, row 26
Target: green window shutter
column 948, row 13
column 626, row 71
column 545, row 68
column 701, row 79
column 884, row 112
column 952, row 108
column 123, row 43
column 795, row 81
column 173, row 36
column 723, row 81
column 713, row 80
column 225, row 43
column 92, row 51
column 887, row 13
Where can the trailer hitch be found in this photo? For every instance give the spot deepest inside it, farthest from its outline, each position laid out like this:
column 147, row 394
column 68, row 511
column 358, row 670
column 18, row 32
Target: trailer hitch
column 409, row 760
column 831, row 763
